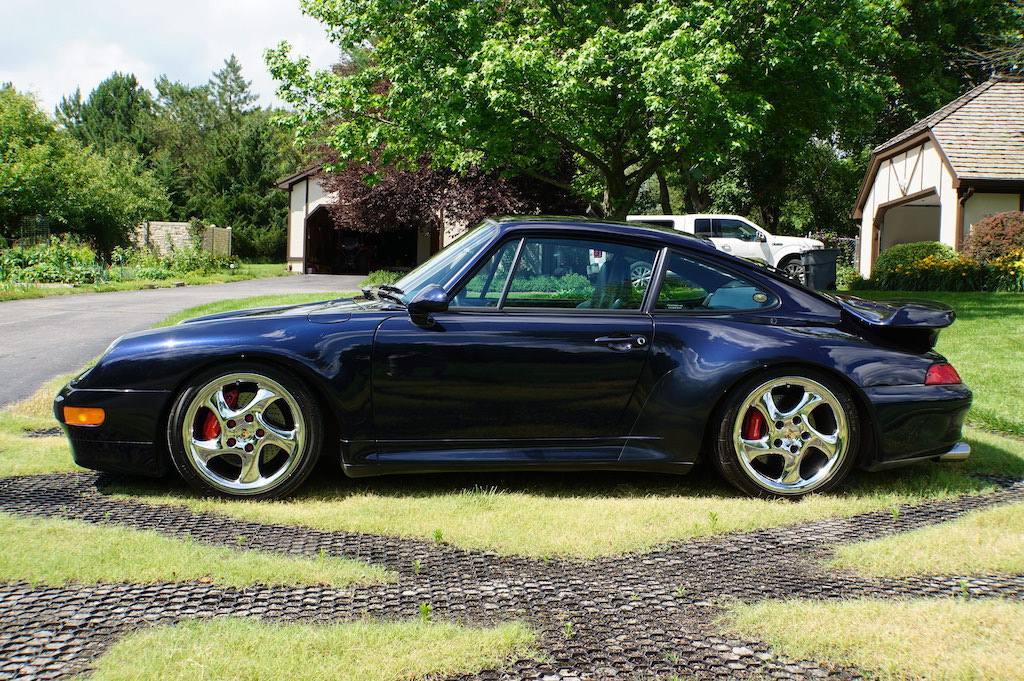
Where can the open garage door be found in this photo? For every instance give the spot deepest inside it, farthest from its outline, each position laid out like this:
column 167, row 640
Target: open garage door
column 342, row 251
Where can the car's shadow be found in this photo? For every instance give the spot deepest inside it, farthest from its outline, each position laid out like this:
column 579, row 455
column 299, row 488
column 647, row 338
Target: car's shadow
column 990, row 462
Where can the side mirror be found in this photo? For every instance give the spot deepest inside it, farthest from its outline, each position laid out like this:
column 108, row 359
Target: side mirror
column 430, row 300
column 761, row 238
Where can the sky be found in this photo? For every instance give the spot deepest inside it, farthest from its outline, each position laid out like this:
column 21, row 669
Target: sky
column 51, row 47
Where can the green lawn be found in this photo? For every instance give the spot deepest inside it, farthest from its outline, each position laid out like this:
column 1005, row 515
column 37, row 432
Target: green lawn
column 10, row 291
column 247, row 649
column 987, row 541
column 937, row 640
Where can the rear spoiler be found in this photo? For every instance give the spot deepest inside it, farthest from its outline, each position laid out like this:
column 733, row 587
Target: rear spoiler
column 909, row 323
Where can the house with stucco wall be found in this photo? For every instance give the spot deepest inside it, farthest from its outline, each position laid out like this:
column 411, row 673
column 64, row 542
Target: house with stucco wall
column 942, row 175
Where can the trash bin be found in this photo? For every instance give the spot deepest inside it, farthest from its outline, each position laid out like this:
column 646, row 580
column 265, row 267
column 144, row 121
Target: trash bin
column 820, row 268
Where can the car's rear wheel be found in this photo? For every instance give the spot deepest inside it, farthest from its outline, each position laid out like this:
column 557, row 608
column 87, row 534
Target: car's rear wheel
column 245, row 430
column 787, row 434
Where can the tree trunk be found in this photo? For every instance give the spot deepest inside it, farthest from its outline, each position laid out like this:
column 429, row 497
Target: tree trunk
column 665, row 199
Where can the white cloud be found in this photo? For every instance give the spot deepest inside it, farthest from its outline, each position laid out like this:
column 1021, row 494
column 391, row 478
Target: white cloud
column 54, row 46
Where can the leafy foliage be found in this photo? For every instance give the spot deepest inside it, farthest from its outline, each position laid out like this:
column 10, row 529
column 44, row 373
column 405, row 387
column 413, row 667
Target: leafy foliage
column 1007, row 271
column 378, row 277
column 626, row 88
column 404, row 196
column 996, row 236
column 219, row 155
column 931, row 266
column 62, row 260
column 215, row 152
column 927, row 61
column 787, row 189
column 115, row 114
column 45, row 171
column 904, row 255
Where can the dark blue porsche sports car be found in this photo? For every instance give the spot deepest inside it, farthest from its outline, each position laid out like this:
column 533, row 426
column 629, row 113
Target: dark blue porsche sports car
column 534, row 344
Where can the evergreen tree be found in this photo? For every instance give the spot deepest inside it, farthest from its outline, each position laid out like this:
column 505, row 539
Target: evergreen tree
column 115, row 114
column 180, row 129
column 231, row 92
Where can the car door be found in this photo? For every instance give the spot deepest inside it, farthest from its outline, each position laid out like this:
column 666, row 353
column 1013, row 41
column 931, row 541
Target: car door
column 536, row 359
column 741, row 239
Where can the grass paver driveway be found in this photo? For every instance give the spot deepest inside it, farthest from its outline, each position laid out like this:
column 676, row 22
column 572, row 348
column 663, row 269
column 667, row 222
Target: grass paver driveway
column 653, row 614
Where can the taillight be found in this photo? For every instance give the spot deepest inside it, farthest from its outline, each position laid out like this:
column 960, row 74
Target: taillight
column 942, row 374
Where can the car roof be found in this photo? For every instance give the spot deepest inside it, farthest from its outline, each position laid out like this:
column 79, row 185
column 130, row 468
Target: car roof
column 665, row 235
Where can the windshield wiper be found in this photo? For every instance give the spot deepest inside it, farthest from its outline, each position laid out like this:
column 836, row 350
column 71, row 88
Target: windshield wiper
column 384, row 292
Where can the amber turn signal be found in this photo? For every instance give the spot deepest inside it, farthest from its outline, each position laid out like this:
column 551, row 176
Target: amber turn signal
column 83, row 416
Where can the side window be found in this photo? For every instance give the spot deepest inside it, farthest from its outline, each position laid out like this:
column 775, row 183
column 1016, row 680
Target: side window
column 693, row 285
column 702, row 227
column 561, row 273
column 484, row 289
column 736, row 229
column 580, row 273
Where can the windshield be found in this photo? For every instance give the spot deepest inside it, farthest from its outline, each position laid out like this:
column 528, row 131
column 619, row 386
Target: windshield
column 446, row 262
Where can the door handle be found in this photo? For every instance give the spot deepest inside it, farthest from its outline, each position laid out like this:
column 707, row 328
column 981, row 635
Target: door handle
column 726, row 247
column 622, row 343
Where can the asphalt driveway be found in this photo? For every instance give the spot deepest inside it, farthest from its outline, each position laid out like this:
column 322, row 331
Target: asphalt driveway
column 45, row 337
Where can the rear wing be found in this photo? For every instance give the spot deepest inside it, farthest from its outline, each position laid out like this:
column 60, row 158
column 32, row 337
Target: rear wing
column 910, row 323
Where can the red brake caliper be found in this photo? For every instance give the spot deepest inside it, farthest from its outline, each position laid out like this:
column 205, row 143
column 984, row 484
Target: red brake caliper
column 211, row 428
column 753, row 425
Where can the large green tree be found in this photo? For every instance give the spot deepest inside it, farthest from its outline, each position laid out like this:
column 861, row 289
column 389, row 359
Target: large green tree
column 44, row 170
column 928, row 59
column 811, row 184
column 627, row 87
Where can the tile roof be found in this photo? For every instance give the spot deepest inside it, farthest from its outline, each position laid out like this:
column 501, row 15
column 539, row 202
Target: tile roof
column 981, row 132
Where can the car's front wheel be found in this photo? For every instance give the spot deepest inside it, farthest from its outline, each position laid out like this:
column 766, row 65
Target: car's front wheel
column 245, row 430
column 787, row 434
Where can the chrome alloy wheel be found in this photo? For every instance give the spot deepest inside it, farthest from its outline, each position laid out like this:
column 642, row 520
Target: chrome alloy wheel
column 791, row 435
column 243, row 433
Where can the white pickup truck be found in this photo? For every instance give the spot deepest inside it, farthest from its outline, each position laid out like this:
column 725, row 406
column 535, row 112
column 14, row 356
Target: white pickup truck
column 740, row 237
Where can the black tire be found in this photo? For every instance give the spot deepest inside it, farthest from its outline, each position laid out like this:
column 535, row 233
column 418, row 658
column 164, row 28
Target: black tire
column 245, row 430
column 787, row 434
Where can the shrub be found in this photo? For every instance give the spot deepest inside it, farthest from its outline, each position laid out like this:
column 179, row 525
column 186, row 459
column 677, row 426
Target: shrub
column 1007, row 272
column 64, row 259
column 193, row 260
column 996, row 236
column 927, row 266
column 845, row 276
column 904, row 255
